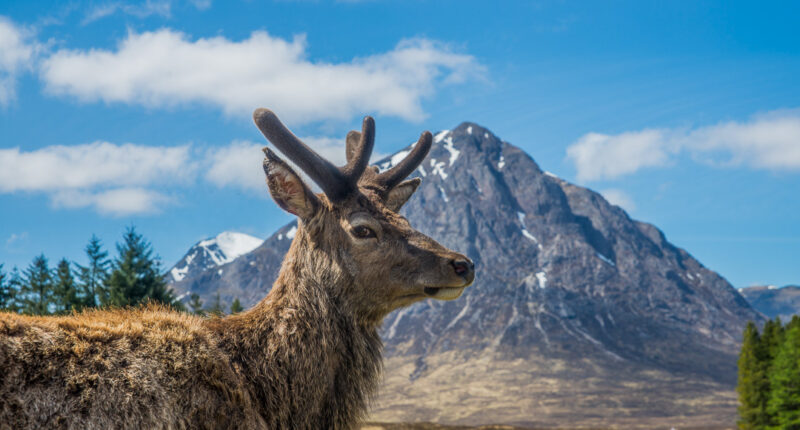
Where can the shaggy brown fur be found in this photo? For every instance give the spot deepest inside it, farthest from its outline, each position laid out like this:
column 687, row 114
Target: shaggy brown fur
column 307, row 356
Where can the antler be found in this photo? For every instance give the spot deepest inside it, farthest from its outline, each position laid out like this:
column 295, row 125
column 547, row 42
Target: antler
column 393, row 176
column 336, row 182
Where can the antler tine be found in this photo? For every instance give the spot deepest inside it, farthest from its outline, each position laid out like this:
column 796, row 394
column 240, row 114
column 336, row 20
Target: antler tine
column 393, row 176
column 359, row 148
column 352, row 144
column 333, row 183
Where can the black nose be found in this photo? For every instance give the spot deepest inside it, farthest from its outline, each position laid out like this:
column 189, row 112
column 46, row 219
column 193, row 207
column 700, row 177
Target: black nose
column 463, row 268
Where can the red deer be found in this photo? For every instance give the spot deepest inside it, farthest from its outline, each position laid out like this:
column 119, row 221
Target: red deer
column 308, row 356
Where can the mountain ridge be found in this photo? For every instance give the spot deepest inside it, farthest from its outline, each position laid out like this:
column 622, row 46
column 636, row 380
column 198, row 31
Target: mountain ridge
column 781, row 302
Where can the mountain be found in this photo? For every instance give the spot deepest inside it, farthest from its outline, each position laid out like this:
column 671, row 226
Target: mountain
column 783, row 302
column 579, row 314
column 212, row 252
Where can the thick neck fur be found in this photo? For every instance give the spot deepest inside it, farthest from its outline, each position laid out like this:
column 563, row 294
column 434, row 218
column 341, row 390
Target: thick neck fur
column 311, row 361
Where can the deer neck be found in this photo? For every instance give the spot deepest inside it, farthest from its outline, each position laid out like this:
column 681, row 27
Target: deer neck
column 303, row 345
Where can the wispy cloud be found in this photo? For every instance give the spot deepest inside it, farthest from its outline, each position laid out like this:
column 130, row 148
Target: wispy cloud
column 201, row 4
column 139, row 10
column 767, row 141
column 114, row 202
column 114, row 179
column 620, row 198
column 16, row 54
column 599, row 156
column 15, row 238
column 166, row 68
column 90, row 165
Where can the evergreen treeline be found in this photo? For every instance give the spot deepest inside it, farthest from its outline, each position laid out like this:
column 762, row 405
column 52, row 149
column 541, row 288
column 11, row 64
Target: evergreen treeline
column 131, row 278
column 769, row 376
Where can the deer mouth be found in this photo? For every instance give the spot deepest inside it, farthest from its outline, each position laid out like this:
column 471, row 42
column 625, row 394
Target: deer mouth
column 444, row 293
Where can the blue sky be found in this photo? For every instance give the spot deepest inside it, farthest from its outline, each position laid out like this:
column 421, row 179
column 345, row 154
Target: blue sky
column 119, row 113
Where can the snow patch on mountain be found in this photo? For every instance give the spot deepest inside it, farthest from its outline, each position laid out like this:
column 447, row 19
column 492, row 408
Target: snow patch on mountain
column 213, row 252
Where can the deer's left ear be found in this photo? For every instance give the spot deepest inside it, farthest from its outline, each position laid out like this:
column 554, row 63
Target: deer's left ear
column 287, row 189
column 399, row 195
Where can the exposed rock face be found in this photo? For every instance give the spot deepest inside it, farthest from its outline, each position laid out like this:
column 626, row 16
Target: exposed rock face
column 772, row 301
column 577, row 311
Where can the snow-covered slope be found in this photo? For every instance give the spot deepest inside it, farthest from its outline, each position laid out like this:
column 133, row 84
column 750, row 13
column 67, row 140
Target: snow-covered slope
column 213, row 252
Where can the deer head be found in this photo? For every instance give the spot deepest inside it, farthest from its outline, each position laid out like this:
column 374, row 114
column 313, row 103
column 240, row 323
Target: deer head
column 351, row 237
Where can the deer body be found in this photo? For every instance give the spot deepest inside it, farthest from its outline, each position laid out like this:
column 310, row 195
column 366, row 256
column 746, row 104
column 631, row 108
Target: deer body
column 308, row 356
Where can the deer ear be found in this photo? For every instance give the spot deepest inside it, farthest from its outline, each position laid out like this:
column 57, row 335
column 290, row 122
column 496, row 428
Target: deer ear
column 287, row 189
column 399, row 195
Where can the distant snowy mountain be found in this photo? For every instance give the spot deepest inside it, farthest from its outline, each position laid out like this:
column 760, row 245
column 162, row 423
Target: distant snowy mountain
column 210, row 253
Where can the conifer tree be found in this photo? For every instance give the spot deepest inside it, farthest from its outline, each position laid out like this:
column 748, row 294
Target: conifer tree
column 784, row 402
column 94, row 275
column 216, row 306
column 772, row 338
column 770, row 343
column 136, row 276
column 6, row 291
column 37, row 287
column 752, row 384
column 65, row 293
column 195, row 304
column 793, row 323
column 14, row 288
column 236, row 306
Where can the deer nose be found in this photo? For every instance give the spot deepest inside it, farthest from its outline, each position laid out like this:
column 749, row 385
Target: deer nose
column 464, row 268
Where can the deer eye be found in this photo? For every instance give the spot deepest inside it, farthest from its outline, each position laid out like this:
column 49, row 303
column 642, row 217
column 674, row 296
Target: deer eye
column 363, row 232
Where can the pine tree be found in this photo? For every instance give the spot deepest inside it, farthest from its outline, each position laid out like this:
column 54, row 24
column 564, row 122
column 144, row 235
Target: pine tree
column 136, row 276
column 784, row 402
column 794, row 322
column 236, row 306
column 93, row 276
column 6, row 291
column 216, row 307
column 752, row 384
column 772, row 338
column 770, row 343
column 65, row 292
column 37, row 287
column 196, row 304
column 14, row 289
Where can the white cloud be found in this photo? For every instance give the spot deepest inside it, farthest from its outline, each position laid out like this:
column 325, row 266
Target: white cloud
column 91, row 165
column 139, row 10
column 201, row 4
column 620, row 198
column 598, row 156
column 16, row 238
column 238, row 164
column 115, row 202
column 770, row 141
column 113, row 179
column 165, row 68
column 16, row 54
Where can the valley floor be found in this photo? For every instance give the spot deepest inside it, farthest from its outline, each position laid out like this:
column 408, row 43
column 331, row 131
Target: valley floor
column 549, row 394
